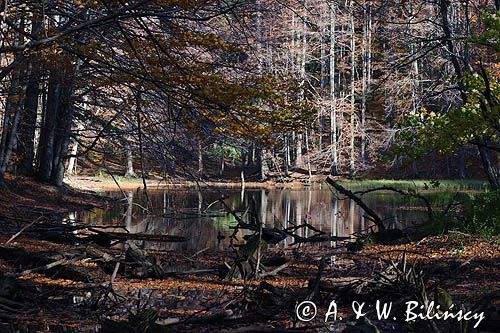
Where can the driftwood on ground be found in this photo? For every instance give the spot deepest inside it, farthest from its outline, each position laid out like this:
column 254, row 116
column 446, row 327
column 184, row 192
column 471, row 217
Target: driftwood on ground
column 49, row 263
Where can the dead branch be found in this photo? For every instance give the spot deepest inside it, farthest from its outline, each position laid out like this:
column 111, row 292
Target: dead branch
column 374, row 216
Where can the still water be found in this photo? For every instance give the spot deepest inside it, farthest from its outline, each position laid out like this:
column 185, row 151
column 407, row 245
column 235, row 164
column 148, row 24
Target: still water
column 206, row 224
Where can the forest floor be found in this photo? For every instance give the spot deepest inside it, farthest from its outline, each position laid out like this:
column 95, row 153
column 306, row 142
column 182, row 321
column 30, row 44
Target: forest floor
column 194, row 296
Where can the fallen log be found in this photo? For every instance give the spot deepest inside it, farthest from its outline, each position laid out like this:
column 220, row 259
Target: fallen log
column 141, row 236
column 137, row 263
column 336, row 285
column 143, row 265
column 60, row 262
column 190, row 272
column 106, row 261
column 317, row 239
column 276, row 270
column 52, row 264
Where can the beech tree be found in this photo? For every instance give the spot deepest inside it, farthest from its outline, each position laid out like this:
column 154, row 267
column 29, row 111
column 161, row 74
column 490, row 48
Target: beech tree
column 164, row 52
column 301, row 86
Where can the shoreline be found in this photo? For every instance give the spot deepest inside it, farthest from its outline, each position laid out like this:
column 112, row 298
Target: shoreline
column 99, row 184
column 105, row 184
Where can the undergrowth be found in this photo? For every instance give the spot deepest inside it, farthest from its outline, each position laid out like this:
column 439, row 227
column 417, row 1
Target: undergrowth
column 477, row 214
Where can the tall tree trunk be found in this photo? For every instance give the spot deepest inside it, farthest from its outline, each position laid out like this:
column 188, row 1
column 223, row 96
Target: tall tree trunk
column 323, row 79
column 55, row 134
column 13, row 110
column 492, row 171
column 262, row 164
column 222, row 164
column 63, row 138
column 286, row 155
column 298, row 157
column 63, row 127
column 364, row 83
column 352, row 169
column 448, row 35
column 251, row 155
column 309, row 171
column 72, row 160
column 298, row 151
column 26, row 137
column 333, row 101
column 462, row 173
column 47, row 135
column 129, row 160
column 200, row 157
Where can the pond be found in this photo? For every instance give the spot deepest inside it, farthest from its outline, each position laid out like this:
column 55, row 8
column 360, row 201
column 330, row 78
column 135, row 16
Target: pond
column 206, row 224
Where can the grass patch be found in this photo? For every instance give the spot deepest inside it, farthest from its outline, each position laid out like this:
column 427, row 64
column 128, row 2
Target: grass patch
column 421, row 184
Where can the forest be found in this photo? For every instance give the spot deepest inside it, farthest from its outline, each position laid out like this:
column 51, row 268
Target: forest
column 250, row 166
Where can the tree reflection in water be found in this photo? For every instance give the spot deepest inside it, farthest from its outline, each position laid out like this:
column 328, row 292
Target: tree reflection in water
column 184, row 212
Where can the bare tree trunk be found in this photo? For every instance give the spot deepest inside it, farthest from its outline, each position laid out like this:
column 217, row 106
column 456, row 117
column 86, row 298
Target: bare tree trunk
column 352, row 169
column 61, row 147
column 298, row 157
column 364, row 83
column 129, row 160
column 27, row 129
column 323, row 80
column 309, row 172
column 11, row 140
column 262, row 164
column 263, row 207
column 47, row 134
column 286, row 155
column 298, row 151
column 251, row 155
column 222, row 164
column 13, row 108
column 129, row 211
column 63, row 127
column 72, row 160
column 200, row 158
column 369, row 55
column 492, row 171
column 461, row 163
column 5, row 134
column 333, row 101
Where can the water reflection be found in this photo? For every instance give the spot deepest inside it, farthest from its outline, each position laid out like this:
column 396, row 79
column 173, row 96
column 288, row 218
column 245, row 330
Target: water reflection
column 199, row 217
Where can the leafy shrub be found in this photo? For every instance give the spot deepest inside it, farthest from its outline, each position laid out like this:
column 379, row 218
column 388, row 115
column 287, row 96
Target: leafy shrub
column 225, row 150
column 482, row 215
